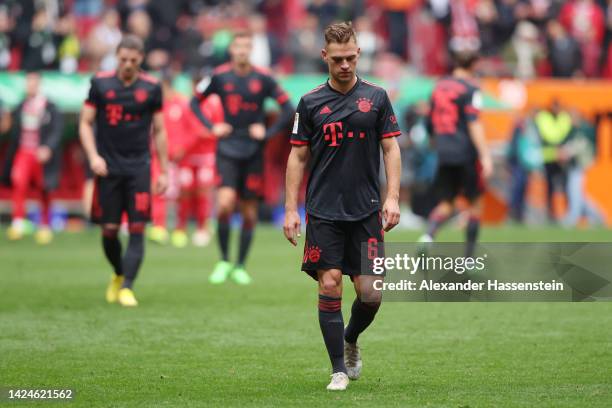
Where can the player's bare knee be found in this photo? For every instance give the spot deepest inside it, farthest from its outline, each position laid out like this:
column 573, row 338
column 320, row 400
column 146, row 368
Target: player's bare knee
column 475, row 209
column 331, row 289
column 225, row 209
column 330, row 284
column 249, row 219
column 445, row 207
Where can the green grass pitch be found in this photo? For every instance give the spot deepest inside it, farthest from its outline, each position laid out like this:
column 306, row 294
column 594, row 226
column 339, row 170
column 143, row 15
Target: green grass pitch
column 190, row 344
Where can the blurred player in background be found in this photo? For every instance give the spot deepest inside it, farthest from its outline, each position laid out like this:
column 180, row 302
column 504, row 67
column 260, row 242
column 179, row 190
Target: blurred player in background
column 192, row 148
column 197, row 168
column 341, row 126
column 243, row 89
column 124, row 105
column 174, row 106
column 464, row 162
column 33, row 158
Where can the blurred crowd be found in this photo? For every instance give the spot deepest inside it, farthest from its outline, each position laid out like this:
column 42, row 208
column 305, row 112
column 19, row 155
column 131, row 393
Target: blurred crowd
column 522, row 38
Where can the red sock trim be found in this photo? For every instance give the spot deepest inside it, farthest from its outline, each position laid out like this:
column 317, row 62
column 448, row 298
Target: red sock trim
column 136, row 228
column 329, row 304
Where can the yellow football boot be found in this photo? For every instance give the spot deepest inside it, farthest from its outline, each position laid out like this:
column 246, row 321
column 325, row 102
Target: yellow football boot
column 43, row 236
column 127, row 298
column 179, row 239
column 112, row 291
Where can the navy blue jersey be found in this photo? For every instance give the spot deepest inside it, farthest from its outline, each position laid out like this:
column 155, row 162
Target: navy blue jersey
column 343, row 132
column 243, row 98
column 454, row 103
column 124, row 115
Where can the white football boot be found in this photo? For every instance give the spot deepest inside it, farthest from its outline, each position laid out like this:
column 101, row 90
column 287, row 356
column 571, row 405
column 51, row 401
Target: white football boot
column 339, row 382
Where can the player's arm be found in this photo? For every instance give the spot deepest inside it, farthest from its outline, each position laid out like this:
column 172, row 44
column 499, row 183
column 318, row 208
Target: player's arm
column 218, row 129
column 161, row 148
column 283, row 120
column 5, row 120
column 54, row 137
column 287, row 109
column 392, row 160
column 477, row 134
column 296, row 165
column 88, row 140
column 388, row 131
column 195, row 107
column 257, row 130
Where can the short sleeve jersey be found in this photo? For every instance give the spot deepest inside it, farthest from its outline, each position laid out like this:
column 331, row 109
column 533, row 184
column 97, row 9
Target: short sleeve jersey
column 243, row 98
column 454, row 104
column 124, row 115
column 343, row 132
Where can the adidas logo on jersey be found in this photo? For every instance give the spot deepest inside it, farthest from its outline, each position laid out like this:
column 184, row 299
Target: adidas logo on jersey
column 325, row 110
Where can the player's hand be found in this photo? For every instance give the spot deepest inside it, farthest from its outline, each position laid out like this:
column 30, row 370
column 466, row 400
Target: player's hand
column 43, row 154
column 221, row 130
column 257, row 131
column 487, row 166
column 161, row 184
column 391, row 214
column 98, row 166
column 292, row 226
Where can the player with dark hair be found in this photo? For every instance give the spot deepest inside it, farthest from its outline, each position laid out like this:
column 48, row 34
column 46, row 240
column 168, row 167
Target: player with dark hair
column 124, row 105
column 243, row 89
column 464, row 161
column 340, row 126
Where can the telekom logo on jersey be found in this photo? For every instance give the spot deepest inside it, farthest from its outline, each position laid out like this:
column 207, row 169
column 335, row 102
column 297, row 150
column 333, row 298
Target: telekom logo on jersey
column 333, row 132
column 115, row 114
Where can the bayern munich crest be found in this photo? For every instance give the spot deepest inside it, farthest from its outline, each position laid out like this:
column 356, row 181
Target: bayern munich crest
column 364, row 105
column 255, row 86
column 140, row 95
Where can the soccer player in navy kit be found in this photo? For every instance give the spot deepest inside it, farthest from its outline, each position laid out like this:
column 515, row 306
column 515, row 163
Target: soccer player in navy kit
column 340, row 128
column 243, row 89
column 464, row 161
column 124, row 105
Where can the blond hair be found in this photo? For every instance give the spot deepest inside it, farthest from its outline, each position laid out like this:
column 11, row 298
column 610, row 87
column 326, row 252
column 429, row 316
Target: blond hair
column 340, row 33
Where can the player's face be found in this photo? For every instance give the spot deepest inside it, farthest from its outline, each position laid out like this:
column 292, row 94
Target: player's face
column 32, row 84
column 240, row 50
column 341, row 60
column 129, row 62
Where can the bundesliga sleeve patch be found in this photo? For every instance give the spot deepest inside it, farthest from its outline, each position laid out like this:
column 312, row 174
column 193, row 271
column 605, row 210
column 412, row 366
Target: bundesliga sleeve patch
column 296, row 121
column 477, row 100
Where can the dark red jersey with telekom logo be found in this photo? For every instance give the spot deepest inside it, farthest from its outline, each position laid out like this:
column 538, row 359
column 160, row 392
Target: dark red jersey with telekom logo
column 454, row 103
column 124, row 115
column 344, row 132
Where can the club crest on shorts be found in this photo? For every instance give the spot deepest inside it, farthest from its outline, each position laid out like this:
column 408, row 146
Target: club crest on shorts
column 140, row 95
column 312, row 254
column 364, row 105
